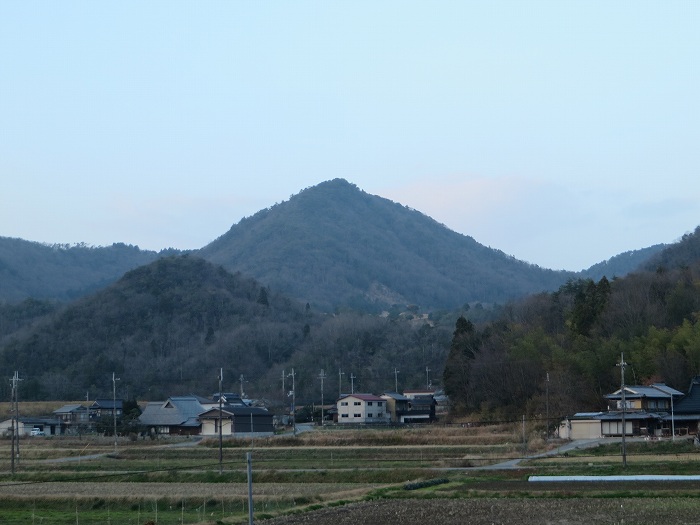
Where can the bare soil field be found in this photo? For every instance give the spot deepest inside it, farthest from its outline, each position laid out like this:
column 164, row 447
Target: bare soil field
column 488, row 511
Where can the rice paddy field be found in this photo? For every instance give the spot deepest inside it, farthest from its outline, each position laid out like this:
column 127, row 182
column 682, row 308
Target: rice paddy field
column 335, row 475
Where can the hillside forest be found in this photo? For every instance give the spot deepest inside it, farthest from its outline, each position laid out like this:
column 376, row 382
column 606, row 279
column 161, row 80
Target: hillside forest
column 565, row 345
column 166, row 328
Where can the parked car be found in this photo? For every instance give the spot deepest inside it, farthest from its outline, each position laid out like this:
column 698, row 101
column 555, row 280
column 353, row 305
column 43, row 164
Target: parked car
column 37, row 432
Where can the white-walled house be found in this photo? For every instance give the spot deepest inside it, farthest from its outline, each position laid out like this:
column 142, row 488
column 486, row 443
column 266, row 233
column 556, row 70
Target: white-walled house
column 362, row 408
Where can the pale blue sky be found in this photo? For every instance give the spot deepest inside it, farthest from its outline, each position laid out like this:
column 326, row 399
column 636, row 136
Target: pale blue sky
column 561, row 132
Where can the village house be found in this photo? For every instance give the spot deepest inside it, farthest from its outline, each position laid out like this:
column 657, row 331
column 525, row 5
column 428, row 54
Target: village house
column 44, row 426
column 178, row 415
column 648, row 411
column 75, row 418
column 105, row 408
column 194, row 415
column 362, row 408
column 237, row 420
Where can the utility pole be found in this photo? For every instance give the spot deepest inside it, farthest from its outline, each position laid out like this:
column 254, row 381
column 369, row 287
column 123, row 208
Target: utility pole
column 396, row 380
column 284, row 391
column 14, row 406
column 622, row 366
column 114, row 408
column 294, row 402
column 242, row 381
column 547, row 397
column 340, row 382
column 427, row 378
column 221, row 439
column 322, row 376
column 352, row 383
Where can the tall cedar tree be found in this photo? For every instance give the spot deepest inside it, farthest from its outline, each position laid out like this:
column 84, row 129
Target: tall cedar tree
column 465, row 344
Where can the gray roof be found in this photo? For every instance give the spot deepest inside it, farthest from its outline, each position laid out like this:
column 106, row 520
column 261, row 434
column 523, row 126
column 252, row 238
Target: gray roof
column 396, row 396
column 107, row 404
column 655, row 391
column 67, row 409
column 175, row 411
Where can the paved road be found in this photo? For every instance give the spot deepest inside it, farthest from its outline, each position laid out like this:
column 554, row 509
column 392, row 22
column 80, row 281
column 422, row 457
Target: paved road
column 572, row 445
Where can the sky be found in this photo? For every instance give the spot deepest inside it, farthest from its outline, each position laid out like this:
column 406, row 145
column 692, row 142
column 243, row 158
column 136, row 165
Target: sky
column 561, row 132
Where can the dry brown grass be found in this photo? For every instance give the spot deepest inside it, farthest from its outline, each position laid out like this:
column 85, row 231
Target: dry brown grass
column 430, row 435
column 35, row 408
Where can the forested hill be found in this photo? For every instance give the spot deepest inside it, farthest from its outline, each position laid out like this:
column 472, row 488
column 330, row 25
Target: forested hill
column 334, row 244
column 566, row 344
column 168, row 327
column 41, row 271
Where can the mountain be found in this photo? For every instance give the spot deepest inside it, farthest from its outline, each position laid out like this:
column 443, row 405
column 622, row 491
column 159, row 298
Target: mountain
column 41, row 271
column 333, row 244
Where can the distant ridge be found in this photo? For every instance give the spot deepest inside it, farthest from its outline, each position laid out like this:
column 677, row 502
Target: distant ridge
column 42, row 271
column 333, row 244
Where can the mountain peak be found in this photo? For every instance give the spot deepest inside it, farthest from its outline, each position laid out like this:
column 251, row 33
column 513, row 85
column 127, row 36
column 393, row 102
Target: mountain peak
column 333, row 244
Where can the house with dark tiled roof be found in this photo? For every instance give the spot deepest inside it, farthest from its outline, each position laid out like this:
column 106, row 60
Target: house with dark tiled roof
column 178, row 415
column 649, row 411
column 237, row 420
column 106, row 408
column 686, row 412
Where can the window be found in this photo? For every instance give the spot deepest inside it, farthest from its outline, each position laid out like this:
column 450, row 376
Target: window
column 379, row 403
column 343, row 403
column 343, row 415
column 370, row 415
column 369, row 403
column 357, row 403
column 357, row 415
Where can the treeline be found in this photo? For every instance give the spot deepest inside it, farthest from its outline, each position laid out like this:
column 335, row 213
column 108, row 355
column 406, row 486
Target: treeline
column 563, row 347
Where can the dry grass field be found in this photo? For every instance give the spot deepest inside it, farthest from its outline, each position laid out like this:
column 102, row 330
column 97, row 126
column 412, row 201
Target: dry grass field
column 337, row 476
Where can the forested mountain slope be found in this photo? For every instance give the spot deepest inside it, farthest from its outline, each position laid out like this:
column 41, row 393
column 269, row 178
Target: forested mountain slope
column 567, row 343
column 167, row 328
column 40, row 271
column 334, row 244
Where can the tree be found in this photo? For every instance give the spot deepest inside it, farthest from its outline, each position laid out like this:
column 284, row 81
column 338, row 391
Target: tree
column 465, row 344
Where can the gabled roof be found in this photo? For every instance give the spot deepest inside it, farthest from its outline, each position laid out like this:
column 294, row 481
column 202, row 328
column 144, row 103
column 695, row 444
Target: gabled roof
column 690, row 404
column 107, row 404
column 394, row 395
column 362, row 397
column 235, row 411
column 180, row 411
column 655, row 391
column 67, row 409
